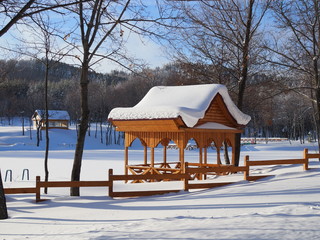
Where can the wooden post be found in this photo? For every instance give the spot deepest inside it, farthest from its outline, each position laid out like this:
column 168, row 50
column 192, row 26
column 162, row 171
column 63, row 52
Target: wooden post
column 110, row 178
column 234, row 153
column 152, row 160
column 205, row 155
column 218, row 155
column 181, row 159
column 233, row 161
column 200, row 161
column 38, row 196
column 205, row 160
column 246, row 164
column 306, row 159
column 165, row 156
column 126, row 160
column 186, row 179
column 145, row 152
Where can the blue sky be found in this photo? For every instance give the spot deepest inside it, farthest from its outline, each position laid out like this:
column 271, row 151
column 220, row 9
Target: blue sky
column 137, row 46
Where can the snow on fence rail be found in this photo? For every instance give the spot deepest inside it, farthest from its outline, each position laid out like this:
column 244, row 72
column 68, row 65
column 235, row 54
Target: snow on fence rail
column 190, row 169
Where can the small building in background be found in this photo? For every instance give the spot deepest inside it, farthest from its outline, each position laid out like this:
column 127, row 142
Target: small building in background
column 56, row 119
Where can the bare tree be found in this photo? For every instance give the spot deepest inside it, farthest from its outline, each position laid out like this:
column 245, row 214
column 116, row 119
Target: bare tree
column 102, row 26
column 49, row 55
column 43, row 47
column 12, row 12
column 223, row 35
column 295, row 49
column 18, row 16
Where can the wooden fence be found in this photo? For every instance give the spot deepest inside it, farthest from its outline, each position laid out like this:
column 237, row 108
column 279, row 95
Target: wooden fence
column 304, row 161
column 145, row 177
column 54, row 184
column 191, row 169
column 199, row 170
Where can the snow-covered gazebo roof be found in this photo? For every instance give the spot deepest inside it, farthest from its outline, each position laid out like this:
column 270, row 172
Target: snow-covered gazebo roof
column 190, row 103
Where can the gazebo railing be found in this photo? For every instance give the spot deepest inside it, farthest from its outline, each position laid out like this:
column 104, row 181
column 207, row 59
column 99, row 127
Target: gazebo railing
column 174, row 168
column 157, row 168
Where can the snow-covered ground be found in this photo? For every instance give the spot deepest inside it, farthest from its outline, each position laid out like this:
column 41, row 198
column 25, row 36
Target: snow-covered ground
column 283, row 206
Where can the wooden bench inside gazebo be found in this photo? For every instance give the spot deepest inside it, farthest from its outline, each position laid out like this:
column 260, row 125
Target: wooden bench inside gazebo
column 204, row 113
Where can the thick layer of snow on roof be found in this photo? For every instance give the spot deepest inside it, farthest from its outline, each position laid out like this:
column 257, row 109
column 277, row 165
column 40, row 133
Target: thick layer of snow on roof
column 189, row 102
column 54, row 114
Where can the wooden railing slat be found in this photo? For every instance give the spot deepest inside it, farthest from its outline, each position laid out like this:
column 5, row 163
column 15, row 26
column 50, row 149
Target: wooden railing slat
column 19, row 190
column 220, row 169
column 143, row 193
column 75, row 184
column 149, row 176
column 313, row 155
column 275, row 162
column 207, row 185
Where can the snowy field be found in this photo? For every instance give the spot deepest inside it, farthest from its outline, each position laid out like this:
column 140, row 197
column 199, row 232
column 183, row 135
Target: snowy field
column 283, row 206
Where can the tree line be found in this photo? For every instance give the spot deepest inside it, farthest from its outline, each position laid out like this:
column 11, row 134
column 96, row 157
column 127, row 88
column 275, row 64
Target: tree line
column 22, row 92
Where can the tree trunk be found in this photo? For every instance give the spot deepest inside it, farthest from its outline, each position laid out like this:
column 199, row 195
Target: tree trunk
column 237, row 148
column 75, row 175
column 226, row 154
column 318, row 117
column 243, row 75
column 46, row 168
column 101, row 132
column 3, row 204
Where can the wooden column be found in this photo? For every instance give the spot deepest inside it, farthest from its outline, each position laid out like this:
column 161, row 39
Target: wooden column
column 145, row 155
column 165, row 142
column 126, row 160
column 200, row 161
column 152, row 159
column 205, row 160
column 233, row 161
column 306, row 159
column 181, row 159
column 218, row 155
column 165, row 156
column 205, row 155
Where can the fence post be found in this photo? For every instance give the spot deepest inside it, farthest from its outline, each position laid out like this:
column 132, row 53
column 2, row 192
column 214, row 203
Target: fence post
column 110, row 177
column 38, row 197
column 186, row 179
column 306, row 159
column 247, row 165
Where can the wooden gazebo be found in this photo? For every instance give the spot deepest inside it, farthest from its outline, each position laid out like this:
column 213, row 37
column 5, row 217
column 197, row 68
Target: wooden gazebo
column 204, row 113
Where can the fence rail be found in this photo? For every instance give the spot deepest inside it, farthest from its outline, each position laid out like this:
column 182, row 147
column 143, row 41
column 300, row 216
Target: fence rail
column 19, row 190
column 190, row 168
column 304, row 161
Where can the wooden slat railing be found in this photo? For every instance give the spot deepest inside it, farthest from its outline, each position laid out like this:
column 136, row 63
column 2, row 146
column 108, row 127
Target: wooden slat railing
column 304, row 161
column 144, row 177
column 19, row 190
